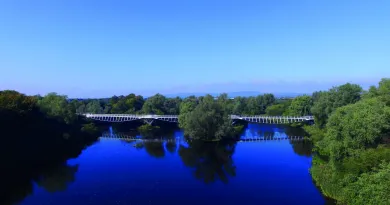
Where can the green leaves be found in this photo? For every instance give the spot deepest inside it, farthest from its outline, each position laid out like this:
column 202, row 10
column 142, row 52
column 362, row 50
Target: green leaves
column 56, row 106
column 208, row 119
column 370, row 188
column 16, row 102
column 356, row 126
column 300, row 106
column 327, row 102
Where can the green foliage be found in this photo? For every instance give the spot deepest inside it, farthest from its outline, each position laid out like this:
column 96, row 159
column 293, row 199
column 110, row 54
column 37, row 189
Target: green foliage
column 382, row 91
column 239, row 105
column 355, row 127
column 365, row 161
column 57, row 107
column 154, row 105
column 186, row 107
column 370, row 188
column 327, row 102
column 12, row 101
column 90, row 128
column 147, row 129
column 93, row 107
column 276, row 110
column 354, row 166
column 172, row 106
column 129, row 104
column 316, row 134
column 208, row 120
column 300, row 106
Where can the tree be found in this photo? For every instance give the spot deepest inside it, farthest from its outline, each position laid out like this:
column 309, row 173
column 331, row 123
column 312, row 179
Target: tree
column 275, row 110
column 186, row 107
column 154, row 105
column 225, row 102
column 300, row 106
column 382, row 91
column 355, row 127
column 208, row 120
column 172, row 106
column 94, row 107
column 278, row 109
column 370, row 188
column 56, row 106
column 239, row 106
column 16, row 102
column 326, row 102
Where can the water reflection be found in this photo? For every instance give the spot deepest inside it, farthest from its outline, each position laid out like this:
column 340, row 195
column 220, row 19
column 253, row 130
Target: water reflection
column 207, row 162
column 164, row 141
column 58, row 178
column 16, row 187
column 210, row 161
column 302, row 148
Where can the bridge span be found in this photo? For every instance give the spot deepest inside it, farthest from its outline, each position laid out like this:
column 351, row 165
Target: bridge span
column 174, row 118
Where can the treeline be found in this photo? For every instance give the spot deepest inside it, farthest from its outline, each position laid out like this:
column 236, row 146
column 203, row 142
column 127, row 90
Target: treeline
column 204, row 117
column 265, row 104
column 351, row 141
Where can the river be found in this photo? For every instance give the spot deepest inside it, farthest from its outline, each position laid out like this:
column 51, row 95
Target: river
column 113, row 171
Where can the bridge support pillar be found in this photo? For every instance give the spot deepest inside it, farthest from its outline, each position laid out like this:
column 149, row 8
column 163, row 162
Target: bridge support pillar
column 149, row 121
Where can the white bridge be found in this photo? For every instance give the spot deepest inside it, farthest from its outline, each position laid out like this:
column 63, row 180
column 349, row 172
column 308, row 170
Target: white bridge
column 174, row 118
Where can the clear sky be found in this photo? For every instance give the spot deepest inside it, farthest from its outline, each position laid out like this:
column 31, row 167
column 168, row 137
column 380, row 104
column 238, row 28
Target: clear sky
column 92, row 48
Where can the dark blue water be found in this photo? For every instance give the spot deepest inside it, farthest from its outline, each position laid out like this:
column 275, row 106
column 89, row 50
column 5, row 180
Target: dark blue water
column 250, row 173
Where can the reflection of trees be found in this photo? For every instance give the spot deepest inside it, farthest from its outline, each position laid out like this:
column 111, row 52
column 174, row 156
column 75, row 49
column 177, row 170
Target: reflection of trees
column 171, row 147
column 58, row 178
column 211, row 160
column 18, row 185
column 157, row 148
column 294, row 131
column 302, row 147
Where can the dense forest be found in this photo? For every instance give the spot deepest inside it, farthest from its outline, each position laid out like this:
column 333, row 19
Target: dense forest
column 350, row 135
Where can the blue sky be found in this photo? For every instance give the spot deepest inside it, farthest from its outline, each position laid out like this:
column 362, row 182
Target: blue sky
column 94, row 48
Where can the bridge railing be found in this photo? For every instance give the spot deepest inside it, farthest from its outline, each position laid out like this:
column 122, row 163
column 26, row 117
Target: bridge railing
column 127, row 115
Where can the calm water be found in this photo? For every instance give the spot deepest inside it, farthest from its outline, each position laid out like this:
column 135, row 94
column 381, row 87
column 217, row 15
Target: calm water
column 120, row 172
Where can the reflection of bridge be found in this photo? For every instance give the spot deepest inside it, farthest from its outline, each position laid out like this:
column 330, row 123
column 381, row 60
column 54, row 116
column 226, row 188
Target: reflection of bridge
column 174, row 118
column 182, row 139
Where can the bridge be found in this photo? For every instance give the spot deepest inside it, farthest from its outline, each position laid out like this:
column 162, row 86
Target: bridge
column 174, row 118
